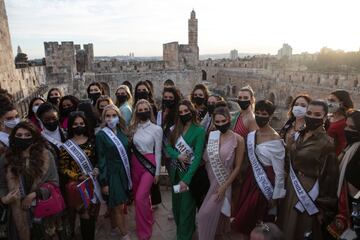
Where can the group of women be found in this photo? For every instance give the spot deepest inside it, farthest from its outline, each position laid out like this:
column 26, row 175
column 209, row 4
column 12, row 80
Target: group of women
column 228, row 171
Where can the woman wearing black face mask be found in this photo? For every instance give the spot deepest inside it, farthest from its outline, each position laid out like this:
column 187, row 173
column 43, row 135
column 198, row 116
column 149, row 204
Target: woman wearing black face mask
column 29, row 167
column 314, row 171
column 54, row 95
column 94, row 91
column 223, row 157
column 67, row 105
column 185, row 148
column 349, row 181
column 51, row 130
column 199, row 98
column 146, row 163
column 212, row 103
column 265, row 176
column 124, row 102
column 143, row 91
column 73, row 171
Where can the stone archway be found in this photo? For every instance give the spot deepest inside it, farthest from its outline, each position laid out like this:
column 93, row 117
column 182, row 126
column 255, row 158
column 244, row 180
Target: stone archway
column 204, row 75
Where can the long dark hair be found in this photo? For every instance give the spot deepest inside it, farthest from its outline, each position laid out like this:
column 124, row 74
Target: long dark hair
column 345, row 98
column 90, row 114
column 90, row 130
column 355, row 116
column 30, row 111
column 179, row 127
column 13, row 155
column 170, row 117
column 304, row 96
column 203, row 88
column 148, row 87
column 99, row 85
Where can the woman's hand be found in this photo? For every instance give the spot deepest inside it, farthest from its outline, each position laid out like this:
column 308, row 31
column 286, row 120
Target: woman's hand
column 156, row 179
column 105, row 190
column 82, row 177
column 183, row 186
column 95, row 172
column 184, row 159
column 26, row 202
column 11, row 196
column 220, row 194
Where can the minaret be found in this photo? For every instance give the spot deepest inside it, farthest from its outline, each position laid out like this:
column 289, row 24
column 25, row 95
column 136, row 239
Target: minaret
column 193, row 29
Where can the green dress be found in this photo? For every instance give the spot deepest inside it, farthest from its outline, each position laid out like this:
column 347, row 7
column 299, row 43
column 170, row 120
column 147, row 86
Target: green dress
column 183, row 204
column 112, row 171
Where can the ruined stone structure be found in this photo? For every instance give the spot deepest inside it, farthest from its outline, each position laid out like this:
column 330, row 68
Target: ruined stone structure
column 22, row 83
column 183, row 56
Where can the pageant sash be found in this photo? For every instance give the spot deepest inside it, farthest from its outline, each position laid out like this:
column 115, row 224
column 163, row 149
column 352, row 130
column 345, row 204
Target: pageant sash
column 259, row 173
column 54, row 141
column 149, row 166
column 122, row 152
column 4, row 138
column 84, row 164
column 184, row 148
column 305, row 199
column 159, row 118
column 206, row 122
column 218, row 167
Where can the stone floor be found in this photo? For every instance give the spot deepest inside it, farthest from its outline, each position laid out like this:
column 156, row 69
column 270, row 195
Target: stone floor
column 163, row 228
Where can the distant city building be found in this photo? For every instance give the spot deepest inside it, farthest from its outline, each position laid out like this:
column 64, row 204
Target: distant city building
column 234, row 54
column 285, row 51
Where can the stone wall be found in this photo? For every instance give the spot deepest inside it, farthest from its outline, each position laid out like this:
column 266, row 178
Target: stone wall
column 8, row 79
column 115, row 66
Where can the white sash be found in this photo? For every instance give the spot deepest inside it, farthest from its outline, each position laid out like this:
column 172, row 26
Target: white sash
column 206, row 121
column 159, row 118
column 122, row 152
column 259, row 173
column 84, row 164
column 54, row 141
column 305, row 199
column 218, row 167
column 4, row 138
column 184, row 148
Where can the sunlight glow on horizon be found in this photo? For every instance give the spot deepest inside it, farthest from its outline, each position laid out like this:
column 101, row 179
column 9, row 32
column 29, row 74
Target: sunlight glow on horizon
column 120, row 27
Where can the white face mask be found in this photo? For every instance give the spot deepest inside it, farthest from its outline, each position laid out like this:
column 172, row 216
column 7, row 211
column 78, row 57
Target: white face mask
column 35, row 108
column 113, row 122
column 333, row 106
column 299, row 111
column 11, row 123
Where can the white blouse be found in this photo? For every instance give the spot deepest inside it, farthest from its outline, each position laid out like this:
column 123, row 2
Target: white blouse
column 272, row 153
column 148, row 139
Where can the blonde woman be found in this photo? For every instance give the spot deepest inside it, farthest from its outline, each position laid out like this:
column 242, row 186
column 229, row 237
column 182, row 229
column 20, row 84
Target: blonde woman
column 145, row 163
column 124, row 102
column 113, row 162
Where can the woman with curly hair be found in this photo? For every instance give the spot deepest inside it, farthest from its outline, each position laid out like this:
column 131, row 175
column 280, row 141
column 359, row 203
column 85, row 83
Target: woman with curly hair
column 28, row 165
column 199, row 97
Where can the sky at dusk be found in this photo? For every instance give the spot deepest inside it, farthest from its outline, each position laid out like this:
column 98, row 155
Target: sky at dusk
column 118, row 27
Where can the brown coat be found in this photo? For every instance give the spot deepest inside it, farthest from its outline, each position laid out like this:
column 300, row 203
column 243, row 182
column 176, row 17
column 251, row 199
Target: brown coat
column 20, row 216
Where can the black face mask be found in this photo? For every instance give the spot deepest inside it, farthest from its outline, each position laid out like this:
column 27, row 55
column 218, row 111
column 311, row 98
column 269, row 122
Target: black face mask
column 94, row 97
column 121, row 98
column 51, row 126
column 54, row 100
column 142, row 95
column 313, row 123
column 223, row 128
column 143, row 116
column 22, row 143
column 66, row 111
column 199, row 100
column 351, row 136
column 211, row 108
column 261, row 121
column 168, row 103
column 79, row 130
column 244, row 104
column 185, row 118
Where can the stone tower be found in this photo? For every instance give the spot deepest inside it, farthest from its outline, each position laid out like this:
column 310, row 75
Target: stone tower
column 193, row 29
column 7, row 67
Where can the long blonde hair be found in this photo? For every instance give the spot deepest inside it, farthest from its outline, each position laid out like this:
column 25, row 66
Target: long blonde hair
column 121, row 123
column 135, row 120
column 128, row 93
